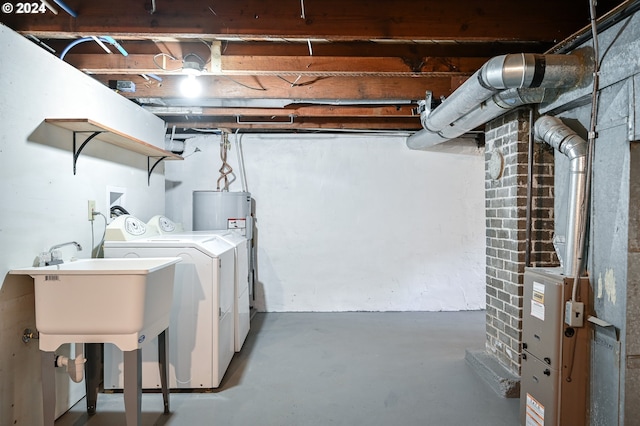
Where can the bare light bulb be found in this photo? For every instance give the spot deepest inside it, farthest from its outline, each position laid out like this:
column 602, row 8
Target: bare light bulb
column 190, row 87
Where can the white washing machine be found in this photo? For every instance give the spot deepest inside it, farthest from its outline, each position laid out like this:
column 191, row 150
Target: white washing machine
column 201, row 331
column 242, row 316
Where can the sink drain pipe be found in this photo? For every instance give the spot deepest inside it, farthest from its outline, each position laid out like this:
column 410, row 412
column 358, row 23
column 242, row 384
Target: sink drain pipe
column 75, row 366
column 503, row 83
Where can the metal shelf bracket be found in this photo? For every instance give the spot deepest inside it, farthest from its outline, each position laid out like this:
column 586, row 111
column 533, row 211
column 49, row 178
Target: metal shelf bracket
column 78, row 150
column 151, row 167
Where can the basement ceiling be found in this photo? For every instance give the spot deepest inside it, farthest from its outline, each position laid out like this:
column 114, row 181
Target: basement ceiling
column 293, row 65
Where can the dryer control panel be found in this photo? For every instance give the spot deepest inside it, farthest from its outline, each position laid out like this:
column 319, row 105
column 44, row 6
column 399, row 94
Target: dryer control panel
column 164, row 225
column 127, row 227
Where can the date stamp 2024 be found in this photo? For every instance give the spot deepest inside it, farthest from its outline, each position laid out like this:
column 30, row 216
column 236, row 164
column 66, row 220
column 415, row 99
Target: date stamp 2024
column 24, row 8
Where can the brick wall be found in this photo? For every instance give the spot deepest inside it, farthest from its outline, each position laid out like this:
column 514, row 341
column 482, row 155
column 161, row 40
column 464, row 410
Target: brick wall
column 505, row 200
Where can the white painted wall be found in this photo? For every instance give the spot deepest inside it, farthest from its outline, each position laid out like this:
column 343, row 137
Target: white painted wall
column 44, row 204
column 352, row 222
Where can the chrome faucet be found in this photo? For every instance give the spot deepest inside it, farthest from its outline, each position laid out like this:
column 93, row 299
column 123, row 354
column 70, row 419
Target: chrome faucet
column 53, row 257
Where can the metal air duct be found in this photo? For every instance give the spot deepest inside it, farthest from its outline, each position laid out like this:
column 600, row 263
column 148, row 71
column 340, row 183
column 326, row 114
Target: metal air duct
column 555, row 133
column 503, row 83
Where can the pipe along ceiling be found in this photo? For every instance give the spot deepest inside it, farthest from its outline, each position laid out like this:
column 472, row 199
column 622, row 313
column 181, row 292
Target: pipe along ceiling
column 503, row 83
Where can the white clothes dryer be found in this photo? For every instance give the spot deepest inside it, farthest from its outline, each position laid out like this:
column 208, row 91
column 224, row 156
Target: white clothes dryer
column 242, row 315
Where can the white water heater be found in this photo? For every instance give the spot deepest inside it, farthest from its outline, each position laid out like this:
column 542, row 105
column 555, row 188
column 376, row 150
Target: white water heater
column 222, row 210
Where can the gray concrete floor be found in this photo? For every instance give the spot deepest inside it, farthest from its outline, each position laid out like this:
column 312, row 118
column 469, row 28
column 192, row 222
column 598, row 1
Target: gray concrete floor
column 346, row 369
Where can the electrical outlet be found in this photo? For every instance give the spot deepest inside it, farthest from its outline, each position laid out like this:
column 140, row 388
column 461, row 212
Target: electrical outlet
column 91, row 209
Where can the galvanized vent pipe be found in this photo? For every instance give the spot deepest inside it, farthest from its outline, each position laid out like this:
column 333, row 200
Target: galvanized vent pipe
column 503, row 83
column 555, row 133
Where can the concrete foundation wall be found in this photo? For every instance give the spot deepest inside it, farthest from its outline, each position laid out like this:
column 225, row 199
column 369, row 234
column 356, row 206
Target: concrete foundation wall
column 352, row 222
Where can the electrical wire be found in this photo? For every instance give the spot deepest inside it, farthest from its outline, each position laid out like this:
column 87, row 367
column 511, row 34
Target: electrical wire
column 292, row 84
column 584, row 207
column 201, row 61
column 96, row 251
column 261, row 89
column 162, row 67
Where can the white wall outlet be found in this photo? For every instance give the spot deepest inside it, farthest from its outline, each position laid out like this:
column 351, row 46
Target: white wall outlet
column 91, row 208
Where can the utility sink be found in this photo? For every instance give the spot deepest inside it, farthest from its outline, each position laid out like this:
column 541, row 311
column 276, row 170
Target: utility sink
column 126, row 302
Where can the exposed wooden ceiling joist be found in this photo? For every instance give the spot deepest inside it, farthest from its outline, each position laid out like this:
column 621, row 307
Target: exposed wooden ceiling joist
column 365, row 88
column 294, row 123
column 489, row 20
column 395, row 111
column 389, row 117
column 360, row 64
column 277, row 65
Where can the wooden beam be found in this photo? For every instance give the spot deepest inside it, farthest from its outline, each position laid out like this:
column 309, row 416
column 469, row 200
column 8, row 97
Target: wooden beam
column 407, row 49
column 301, row 123
column 366, row 88
column 277, row 65
column 317, row 111
column 324, row 65
column 546, row 20
column 399, row 48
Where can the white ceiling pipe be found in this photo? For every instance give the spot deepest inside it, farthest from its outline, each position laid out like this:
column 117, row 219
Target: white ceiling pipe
column 477, row 95
column 555, row 133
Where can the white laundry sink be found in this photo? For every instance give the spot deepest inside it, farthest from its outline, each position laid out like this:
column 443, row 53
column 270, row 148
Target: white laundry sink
column 126, row 302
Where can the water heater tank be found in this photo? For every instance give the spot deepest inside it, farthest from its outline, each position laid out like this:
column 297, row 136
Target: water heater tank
column 221, row 210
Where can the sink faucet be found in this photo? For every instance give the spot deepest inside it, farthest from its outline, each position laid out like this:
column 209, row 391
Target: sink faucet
column 52, row 257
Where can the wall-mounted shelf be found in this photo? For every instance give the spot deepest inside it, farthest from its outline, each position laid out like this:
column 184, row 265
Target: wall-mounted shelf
column 106, row 134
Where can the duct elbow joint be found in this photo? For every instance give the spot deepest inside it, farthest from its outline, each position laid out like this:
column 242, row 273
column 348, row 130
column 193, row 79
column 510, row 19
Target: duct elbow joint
column 554, row 132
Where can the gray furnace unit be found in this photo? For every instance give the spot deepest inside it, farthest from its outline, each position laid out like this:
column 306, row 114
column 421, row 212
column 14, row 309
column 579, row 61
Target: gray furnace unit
column 555, row 358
